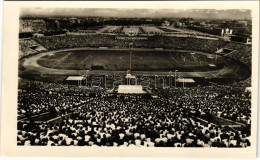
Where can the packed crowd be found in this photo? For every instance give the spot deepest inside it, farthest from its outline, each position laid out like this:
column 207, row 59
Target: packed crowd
column 58, row 42
column 115, row 29
column 29, row 47
column 167, row 29
column 170, row 120
column 151, row 30
column 35, row 97
column 242, row 52
column 69, row 41
column 100, row 119
column 227, row 101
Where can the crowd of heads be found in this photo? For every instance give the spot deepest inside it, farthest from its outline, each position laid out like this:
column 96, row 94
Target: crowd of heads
column 241, row 52
column 114, row 29
column 173, row 119
column 29, row 47
column 157, row 41
column 151, row 30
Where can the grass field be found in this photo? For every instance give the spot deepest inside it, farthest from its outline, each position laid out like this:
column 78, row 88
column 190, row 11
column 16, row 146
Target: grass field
column 202, row 67
column 119, row 60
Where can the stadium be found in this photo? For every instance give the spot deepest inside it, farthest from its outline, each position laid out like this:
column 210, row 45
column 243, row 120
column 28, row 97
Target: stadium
column 185, row 89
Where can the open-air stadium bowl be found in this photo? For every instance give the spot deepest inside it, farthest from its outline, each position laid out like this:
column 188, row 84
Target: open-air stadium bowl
column 141, row 62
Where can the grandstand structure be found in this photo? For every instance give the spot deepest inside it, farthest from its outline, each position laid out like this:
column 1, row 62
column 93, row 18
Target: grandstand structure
column 206, row 49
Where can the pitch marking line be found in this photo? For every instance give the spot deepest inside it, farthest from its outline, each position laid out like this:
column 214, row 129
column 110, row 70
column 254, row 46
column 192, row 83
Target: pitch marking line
column 174, row 59
column 73, row 57
column 62, row 60
column 86, row 58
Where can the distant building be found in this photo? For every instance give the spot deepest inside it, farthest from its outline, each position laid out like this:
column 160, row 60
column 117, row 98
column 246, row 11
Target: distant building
column 72, row 20
column 38, row 25
column 203, row 23
column 148, row 20
column 179, row 24
column 25, row 26
column 166, row 23
column 242, row 23
column 64, row 24
column 51, row 24
column 78, row 21
column 214, row 31
column 57, row 24
column 38, row 35
column 226, row 32
column 29, row 25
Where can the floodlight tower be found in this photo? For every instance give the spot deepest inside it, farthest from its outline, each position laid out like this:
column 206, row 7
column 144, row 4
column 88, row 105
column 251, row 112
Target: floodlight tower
column 175, row 78
column 87, row 77
column 216, row 55
column 130, row 57
column 130, row 67
column 183, row 81
column 170, row 79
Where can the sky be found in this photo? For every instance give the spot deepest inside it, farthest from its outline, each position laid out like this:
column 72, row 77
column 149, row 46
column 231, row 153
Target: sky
column 138, row 13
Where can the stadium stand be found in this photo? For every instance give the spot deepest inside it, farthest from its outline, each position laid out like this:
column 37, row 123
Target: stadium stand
column 93, row 117
column 241, row 52
column 29, row 47
column 151, row 30
column 199, row 44
column 171, row 120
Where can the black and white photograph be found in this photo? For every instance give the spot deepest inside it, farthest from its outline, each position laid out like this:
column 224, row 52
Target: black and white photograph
column 134, row 77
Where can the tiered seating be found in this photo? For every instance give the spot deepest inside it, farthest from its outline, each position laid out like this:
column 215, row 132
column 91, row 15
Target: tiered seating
column 29, row 47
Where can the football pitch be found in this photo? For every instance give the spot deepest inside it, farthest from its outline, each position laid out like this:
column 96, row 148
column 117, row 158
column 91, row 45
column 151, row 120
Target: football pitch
column 135, row 60
column 57, row 65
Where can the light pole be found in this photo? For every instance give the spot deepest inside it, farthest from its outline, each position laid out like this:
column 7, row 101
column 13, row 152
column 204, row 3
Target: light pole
column 183, row 81
column 82, row 76
column 170, row 79
column 155, row 81
column 87, row 78
column 105, row 84
column 128, row 78
column 130, row 61
column 216, row 55
column 175, row 77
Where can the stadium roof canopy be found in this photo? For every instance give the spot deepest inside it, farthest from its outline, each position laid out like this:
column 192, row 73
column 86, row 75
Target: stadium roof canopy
column 75, row 78
column 129, row 76
column 130, row 89
column 186, row 80
column 212, row 65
